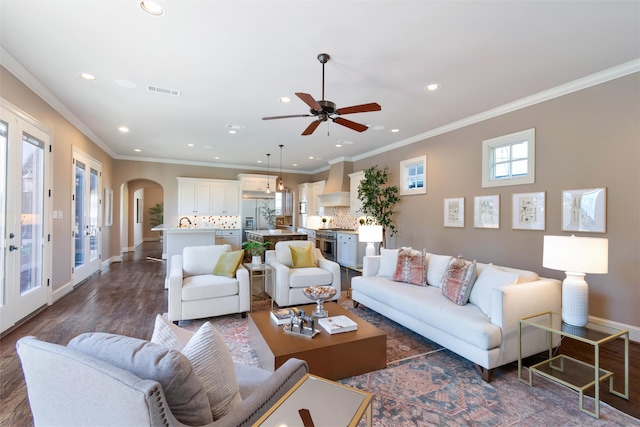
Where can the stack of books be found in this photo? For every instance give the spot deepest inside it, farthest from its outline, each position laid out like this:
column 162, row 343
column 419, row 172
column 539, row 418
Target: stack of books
column 280, row 316
column 337, row 324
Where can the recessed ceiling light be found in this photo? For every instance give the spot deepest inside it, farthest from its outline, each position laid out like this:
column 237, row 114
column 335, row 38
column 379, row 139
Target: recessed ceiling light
column 216, row 157
column 295, row 164
column 259, row 161
column 431, row 87
column 152, row 8
column 87, row 76
column 190, row 145
column 123, row 129
column 310, row 157
column 338, row 145
column 232, row 132
column 284, row 99
column 395, row 130
column 137, row 150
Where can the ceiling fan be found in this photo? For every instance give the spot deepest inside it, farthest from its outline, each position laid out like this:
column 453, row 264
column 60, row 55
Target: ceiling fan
column 325, row 110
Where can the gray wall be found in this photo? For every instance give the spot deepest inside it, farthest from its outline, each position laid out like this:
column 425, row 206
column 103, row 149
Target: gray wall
column 587, row 139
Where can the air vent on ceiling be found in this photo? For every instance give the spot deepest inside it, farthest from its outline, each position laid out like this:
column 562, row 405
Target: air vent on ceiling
column 163, row 90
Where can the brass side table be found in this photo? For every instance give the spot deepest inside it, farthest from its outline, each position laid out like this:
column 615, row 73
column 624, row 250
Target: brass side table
column 265, row 273
column 568, row 371
column 317, row 401
column 354, row 269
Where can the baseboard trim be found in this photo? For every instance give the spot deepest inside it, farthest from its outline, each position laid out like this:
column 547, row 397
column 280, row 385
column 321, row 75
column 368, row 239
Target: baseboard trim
column 65, row 289
column 105, row 264
column 634, row 331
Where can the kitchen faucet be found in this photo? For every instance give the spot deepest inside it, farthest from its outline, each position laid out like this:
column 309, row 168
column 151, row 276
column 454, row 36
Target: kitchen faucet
column 184, row 217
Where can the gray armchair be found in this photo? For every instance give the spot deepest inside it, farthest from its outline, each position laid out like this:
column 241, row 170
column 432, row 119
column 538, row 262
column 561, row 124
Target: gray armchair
column 69, row 388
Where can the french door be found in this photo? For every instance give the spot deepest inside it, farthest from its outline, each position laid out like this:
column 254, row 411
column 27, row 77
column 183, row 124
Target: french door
column 25, row 252
column 86, row 210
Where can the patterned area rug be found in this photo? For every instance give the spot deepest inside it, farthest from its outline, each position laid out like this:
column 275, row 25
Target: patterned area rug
column 425, row 385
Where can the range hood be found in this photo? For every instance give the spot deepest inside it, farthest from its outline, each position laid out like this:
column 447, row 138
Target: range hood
column 336, row 190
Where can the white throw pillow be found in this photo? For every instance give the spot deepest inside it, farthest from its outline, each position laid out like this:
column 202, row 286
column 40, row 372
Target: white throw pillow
column 211, row 360
column 388, row 262
column 489, row 279
column 197, row 260
column 437, row 266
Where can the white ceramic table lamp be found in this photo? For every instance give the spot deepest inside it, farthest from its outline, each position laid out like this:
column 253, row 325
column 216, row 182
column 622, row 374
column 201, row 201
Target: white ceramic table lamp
column 576, row 256
column 370, row 234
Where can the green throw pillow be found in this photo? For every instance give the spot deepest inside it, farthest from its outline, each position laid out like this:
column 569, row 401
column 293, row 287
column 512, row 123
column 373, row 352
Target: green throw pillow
column 228, row 263
column 302, row 257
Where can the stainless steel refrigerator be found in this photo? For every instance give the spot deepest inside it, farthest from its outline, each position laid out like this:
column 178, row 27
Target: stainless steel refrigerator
column 252, row 215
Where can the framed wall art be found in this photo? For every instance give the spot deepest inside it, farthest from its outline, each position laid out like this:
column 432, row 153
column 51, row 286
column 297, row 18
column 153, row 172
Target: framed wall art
column 486, row 213
column 585, row 210
column 454, row 212
column 528, row 211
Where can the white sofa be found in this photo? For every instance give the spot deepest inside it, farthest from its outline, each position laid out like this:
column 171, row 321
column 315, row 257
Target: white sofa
column 196, row 293
column 289, row 282
column 490, row 339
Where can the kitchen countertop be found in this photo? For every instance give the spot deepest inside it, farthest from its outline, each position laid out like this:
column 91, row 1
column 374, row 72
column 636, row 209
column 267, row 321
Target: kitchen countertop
column 162, row 227
column 265, row 233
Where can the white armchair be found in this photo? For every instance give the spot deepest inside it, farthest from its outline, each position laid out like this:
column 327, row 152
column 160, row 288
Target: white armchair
column 195, row 292
column 289, row 282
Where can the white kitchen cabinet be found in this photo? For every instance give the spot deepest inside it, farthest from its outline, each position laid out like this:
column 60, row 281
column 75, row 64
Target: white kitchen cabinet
column 356, row 204
column 197, row 196
column 193, row 197
column 253, row 182
column 313, row 204
column 229, row 237
column 225, row 198
column 350, row 250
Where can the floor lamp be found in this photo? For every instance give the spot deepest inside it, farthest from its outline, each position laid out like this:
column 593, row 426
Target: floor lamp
column 576, row 256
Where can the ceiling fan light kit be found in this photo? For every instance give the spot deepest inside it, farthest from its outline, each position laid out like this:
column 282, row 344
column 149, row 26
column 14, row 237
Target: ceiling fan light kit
column 325, row 110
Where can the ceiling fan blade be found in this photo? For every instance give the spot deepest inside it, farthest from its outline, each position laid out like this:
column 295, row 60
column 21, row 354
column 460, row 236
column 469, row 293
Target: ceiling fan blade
column 309, row 100
column 312, row 127
column 360, row 108
column 286, row 117
column 351, row 125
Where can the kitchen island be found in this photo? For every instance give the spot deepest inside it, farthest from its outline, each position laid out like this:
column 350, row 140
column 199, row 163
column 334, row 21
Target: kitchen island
column 274, row 236
column 178, row 238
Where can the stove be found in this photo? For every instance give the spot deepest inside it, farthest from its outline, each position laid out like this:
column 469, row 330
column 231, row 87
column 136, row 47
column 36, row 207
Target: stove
column 326, row 241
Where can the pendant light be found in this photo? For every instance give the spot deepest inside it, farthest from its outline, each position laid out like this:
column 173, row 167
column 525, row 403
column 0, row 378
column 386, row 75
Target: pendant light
column 268, row 190
column 280, row 183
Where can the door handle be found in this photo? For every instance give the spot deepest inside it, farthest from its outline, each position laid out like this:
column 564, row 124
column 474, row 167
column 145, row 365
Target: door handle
column 13, row 248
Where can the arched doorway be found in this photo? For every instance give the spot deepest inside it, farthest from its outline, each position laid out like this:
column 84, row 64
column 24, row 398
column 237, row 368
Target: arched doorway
column 138, row 196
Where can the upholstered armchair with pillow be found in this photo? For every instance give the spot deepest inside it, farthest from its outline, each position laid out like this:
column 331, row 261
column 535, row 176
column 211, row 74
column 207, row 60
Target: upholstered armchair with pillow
column 298, row 264
column 178, row 379
column 207, row 281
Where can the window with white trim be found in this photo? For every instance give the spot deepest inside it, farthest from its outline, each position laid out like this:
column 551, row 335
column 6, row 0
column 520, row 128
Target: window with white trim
column 509, row 159
column 413, row 176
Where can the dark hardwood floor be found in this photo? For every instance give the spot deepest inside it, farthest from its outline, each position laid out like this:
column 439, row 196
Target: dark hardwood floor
column 125, row 298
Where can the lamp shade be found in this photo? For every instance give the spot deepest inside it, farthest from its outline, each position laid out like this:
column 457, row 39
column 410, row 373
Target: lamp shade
column 370, row 233
column 576, row 254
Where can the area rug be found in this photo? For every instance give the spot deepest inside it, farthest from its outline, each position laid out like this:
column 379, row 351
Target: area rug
column 426, row 385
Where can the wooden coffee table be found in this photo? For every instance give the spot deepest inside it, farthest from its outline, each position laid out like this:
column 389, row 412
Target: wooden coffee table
column 334, row 357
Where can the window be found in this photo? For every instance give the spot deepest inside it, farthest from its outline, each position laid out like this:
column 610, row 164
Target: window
column 413, row 176
column 509, row 159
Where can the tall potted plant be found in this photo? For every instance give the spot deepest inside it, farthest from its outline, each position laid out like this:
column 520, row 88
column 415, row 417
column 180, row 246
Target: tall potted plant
column 378, row 199
column 156, row 216
column 269, row 215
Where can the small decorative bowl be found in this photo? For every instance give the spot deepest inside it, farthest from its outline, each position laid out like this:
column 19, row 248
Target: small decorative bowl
column 319, row 294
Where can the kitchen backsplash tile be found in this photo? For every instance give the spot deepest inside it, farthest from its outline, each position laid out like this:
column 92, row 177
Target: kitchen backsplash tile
column 215, row 221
